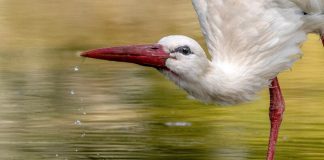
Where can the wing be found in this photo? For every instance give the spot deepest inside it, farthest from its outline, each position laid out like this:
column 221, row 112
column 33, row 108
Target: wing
column 259, row 37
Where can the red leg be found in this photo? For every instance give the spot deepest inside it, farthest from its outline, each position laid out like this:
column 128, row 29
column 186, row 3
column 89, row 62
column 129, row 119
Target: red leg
column 277, row 107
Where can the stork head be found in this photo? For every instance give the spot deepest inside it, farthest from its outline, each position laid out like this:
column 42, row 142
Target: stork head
column 178, row 55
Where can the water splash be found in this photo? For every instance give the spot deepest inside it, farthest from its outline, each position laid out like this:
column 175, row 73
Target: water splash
column 72, row 92
column 76, row 69
column 83, row 134
column 78, row 123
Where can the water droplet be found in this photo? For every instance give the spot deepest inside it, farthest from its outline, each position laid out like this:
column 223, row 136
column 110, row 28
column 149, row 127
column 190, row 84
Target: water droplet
column 72, row 92
column 76, row 68
column 56, row 155
column 83, row 134
column 76, row 150
column 77, row 122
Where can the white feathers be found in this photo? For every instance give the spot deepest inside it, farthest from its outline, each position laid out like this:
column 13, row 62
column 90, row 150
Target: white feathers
column 189, row 67
column 310, row 6
column 314, row 20
column 250, row 41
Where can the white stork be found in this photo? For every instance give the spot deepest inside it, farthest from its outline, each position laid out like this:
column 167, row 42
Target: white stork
column 250, row 42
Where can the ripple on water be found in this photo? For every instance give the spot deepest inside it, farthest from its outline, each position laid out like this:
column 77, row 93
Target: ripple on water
column 178, row 124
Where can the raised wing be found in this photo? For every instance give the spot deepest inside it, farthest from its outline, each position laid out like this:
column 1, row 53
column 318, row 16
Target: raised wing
column 259, row 37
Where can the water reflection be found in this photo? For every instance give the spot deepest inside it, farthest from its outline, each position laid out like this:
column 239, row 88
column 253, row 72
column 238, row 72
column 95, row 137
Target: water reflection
column 55, row 105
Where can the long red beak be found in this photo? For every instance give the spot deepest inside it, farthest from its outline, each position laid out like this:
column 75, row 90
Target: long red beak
column 146, row 55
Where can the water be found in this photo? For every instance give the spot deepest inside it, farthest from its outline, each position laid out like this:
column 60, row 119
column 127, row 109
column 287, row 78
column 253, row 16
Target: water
column 56, row 105
column 78, row 122
column 76, row 68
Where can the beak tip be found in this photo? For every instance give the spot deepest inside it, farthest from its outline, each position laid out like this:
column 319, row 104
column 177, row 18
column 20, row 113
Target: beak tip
column 84, row 54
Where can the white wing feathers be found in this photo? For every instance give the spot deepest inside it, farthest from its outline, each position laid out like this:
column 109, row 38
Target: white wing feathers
column 258, row 37
column 250, row 42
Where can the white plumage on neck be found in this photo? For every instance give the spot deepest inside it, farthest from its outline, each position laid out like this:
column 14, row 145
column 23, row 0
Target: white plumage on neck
column 210, row 82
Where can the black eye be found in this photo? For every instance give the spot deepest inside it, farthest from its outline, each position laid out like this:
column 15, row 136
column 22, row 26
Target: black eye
column 184, row 50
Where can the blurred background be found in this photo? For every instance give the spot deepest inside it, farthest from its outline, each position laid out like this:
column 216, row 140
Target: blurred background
column 56, row 105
